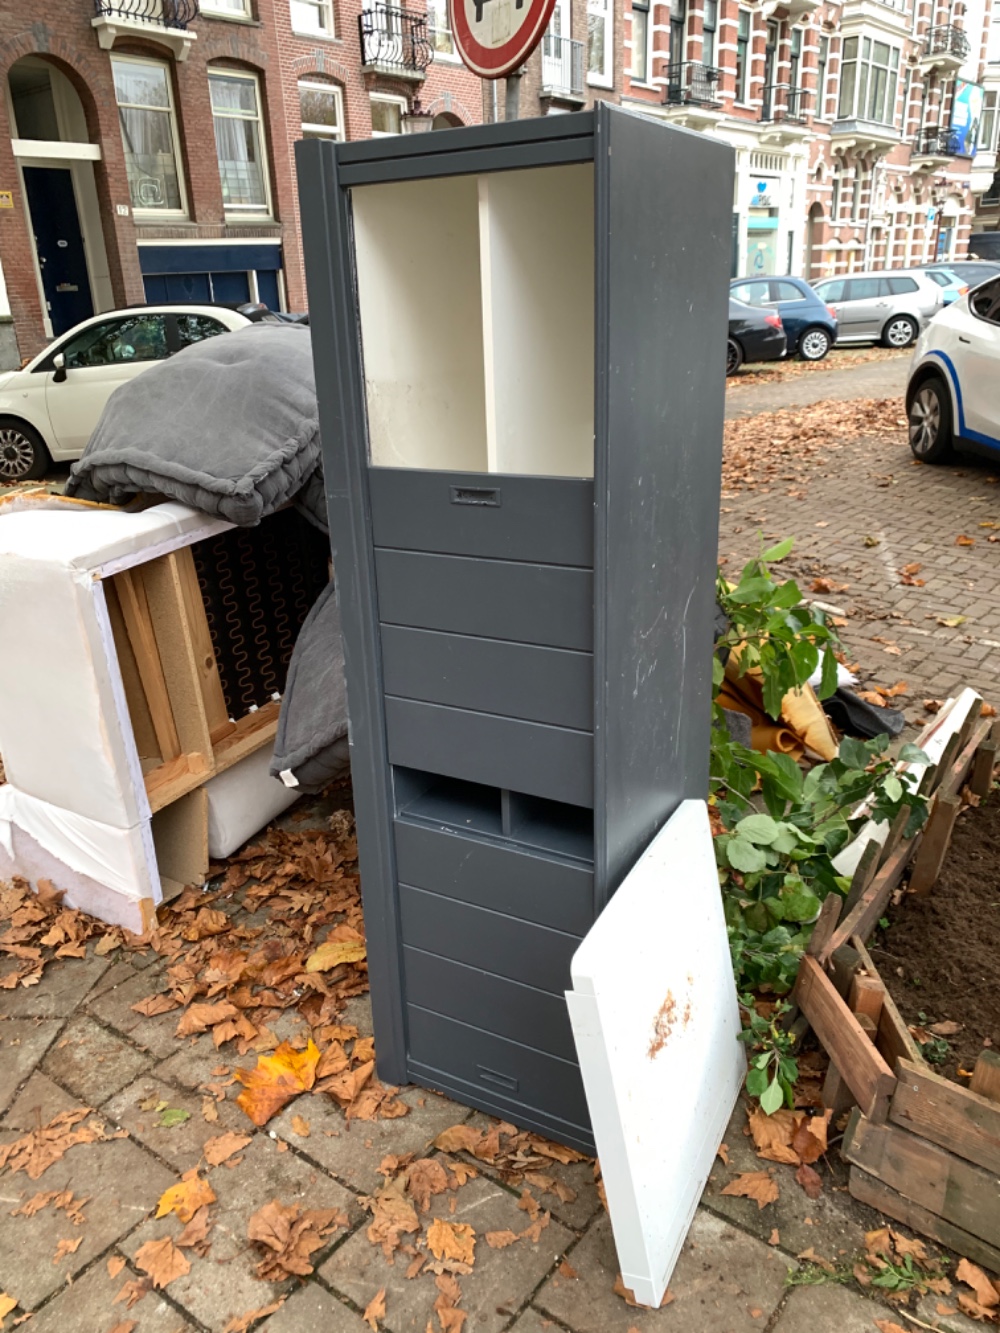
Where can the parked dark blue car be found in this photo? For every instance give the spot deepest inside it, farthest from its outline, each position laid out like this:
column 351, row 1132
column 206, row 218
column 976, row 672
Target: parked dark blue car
column 809, row 323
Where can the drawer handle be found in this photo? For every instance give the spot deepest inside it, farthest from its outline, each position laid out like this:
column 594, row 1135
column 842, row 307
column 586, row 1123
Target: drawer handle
column 475, row 495
column 500, row 1080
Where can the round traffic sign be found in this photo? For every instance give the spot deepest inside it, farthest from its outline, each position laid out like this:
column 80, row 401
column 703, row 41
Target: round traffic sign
column 495, row 37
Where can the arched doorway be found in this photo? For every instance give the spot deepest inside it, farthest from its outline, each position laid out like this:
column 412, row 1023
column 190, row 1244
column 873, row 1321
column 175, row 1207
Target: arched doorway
column 56, row 164
column 446, row 120
column 814, row 225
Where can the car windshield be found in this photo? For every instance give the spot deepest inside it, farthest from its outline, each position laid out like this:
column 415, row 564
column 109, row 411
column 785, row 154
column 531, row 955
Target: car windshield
column 944, row 277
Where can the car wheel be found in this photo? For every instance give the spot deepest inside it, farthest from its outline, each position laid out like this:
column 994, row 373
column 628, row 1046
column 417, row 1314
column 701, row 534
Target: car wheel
column 23, row 455
column 900, row 331
column 814, row 344
column 930, row 422
column 734, row 357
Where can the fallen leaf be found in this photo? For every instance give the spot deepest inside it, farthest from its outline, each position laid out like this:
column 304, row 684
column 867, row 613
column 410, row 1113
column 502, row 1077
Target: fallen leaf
column 459, row 1138
column 757, row 1185
column 393, row 1216
column 156, row 1004
column 567, row 1270
column 499, row 1240
column 812, row 1257
column 66, row 1247
column 36, row 1151
column 775, row 1237
column 948, row 1028
column 332, row 954
column 772, row 1134
column 425, row 1178
column 973, row 1276
column 941, row 1308
column 933, row 705
column 186, row 1198
column 7, row 1303
column 195, row 1234
column 952, row 622
column 970, row 1306
column 963, row 540
column 375, row 1310
column 300, row 1127
column 276, row 1080
column 115, row 1265
column 878, row 1243
column 987, row 710
column 240, row 1323
column 722, row 1152
column 124, row 1326
column 200, row 1017
column 291, row 1236
column 450, row 1317
column 809, row 1139
column 888, row 1326
column 172, row 1116
column 223, row 1146
column 162, row 1260
column 133, row 1292
column 810, row 1180
column 451, row 1240
column 903, row 1246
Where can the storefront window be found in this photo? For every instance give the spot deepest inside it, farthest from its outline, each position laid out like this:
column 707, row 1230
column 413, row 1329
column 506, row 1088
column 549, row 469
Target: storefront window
column 869, row 74
column 145, row 112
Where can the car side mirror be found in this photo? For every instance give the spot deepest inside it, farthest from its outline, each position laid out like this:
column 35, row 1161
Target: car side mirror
column 59, row 368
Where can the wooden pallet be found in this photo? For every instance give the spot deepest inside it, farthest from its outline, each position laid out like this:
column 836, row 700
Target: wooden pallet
column 923, row 1150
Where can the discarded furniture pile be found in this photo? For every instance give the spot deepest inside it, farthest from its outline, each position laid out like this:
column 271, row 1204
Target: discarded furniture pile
column 923, row 1149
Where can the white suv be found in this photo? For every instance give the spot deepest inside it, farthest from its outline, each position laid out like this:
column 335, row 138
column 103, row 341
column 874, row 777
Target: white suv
column 890, row 308
column 49, row 408
column 953, row 396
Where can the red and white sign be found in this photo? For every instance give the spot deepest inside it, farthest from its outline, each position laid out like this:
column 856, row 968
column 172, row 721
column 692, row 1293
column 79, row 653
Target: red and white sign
column 495, row 37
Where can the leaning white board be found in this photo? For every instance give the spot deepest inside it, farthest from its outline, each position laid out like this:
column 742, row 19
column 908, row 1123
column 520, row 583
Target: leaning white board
column 655, row 1019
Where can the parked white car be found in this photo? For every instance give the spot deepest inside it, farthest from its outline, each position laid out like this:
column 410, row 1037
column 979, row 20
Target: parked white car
column 48, row 409
column 889, row 308
column 953, row 394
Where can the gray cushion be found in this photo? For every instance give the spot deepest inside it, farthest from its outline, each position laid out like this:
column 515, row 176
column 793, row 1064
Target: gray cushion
column 311, row 743
column 227, row 426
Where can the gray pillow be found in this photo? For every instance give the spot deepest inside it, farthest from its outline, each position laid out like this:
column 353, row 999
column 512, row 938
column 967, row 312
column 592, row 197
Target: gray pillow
column 227, row 426
column 311, row 747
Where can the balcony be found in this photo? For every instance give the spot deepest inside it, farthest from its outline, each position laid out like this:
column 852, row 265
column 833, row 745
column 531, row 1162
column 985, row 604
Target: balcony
column 394, row 41
column 931, row 150
column 863, row 136
column 164, row 21
column 562, row 68
column 785, row 110
column 946, row 48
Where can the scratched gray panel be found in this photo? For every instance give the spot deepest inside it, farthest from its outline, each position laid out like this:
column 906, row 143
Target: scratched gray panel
column 489, row 675
column 508, row 1072
column 534, row 955
column 530, row 757
column 544, row 520
column 489, row 1002
column 532, row 887
column 499, row 599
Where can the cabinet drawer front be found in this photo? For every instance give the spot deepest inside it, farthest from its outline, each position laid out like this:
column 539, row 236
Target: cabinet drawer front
column 548, row 520
column 505, row 1008
column 500, row 1069
column 511, row 679
column 521, row 884
column 529, row 757
column 534, row 955
column 498, row 599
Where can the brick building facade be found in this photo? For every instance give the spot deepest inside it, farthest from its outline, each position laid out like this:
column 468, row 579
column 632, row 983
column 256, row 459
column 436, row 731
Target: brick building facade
column 865, row 130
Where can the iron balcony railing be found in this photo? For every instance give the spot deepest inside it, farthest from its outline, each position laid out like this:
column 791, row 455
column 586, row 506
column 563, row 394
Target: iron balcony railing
column 933, row 143
column 562, row 65
column 782, row 101
column 167, row 13
column 394, row 39
column 946, row 40
column 692, row 84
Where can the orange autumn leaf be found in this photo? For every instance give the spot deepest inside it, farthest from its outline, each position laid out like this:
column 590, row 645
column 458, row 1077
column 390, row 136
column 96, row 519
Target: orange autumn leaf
column 970, row 1306
column 241, row 1322
column 162, row 1260
column 276, row 1080
column 452, row 1240
column 810, row 1180
column 499, row 1240
column 772, row 1134
column 888, row 1326
column 7, row 1303
column 459, row 1138
column 301, row 1127
column 335, row 952
column 756, row 1185
column 375, row 1310
column 186, row 1198
column 223, row 1146
column 973, row 1276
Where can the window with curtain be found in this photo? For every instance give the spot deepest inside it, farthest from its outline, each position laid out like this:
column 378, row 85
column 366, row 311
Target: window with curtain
column 795, row 59
column 709, row 31
column 869, row 74
column 742, row 55
column 239, row 142
column 821, row 63
column 439, row 28
column 640, row 40
column 322, row 107
column 314, row 17
column 146, row 116
column 988, row 124
column 237, row 8
column 387, row 115
column 600, row 42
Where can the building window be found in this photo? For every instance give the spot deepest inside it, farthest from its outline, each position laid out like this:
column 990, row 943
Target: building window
column 239, row 9
column 868, row 83
column 988, row 125
column 239, row 143
column 149, row 136
column 439, row 28
column 640, row 41
column 387, row 114
column 709, row 30
column 795, row 60
column 678, row 26
column 821, row 63
column 835, row 199
column 742, row 55
column 322, row 106
column 314, row 17
column 600, row 42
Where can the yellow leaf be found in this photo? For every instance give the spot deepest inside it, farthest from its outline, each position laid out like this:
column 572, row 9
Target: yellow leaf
column 300, row 1126
column 276, row 1080
column 452, row 1240
column 375, row 1310
column 335, row 952
column 7, row 1303
column 186, row 1198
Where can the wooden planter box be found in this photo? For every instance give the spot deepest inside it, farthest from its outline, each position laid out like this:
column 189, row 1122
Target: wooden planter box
column 922, row 1149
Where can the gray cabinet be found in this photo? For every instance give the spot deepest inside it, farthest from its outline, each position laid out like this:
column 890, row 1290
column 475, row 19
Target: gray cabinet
column 519, row 336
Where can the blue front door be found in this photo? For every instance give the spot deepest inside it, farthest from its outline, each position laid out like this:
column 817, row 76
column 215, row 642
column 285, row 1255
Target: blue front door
column 59, row 245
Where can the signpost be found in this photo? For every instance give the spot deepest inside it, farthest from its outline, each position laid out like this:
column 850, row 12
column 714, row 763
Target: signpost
column 495, row 38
